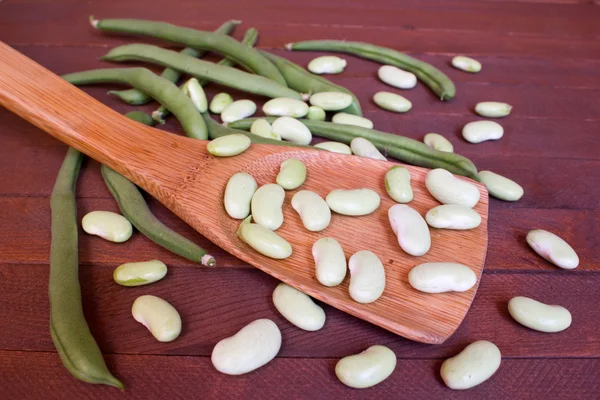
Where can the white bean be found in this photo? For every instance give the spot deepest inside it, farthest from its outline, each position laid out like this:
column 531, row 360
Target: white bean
column 108, row 225
column 313, row 210
column 353, row 202
column 472, row 366
column 285, row 107
column 264, row 240
column 238, row 195
column 331, row 101
column 195, row 92
column 539, row 316
column 410, row 228
column 160, row 317
column 397, row 77
column 298, row 308
column 392, row 102
column 250, row 348
column 330, row 261
column 266, row 206
column 480, row 131
column 228, row 146
column 139, row 273
column 262, row 127
column 316, row 113
column 493, row 109
column 448, row 189
column 327, row 65
column 452, row 216
column 334, row 147
column 438, row 142
column 220, row 102
column 552, row 248
column 366, row 369
column 441, row 277
column 350, row 119
column 292, row 174
column 500, row 187
column 291, row 129
column 397, row 184
column 237, row 110
column 367, row 277
column 363, row 148
column 466, row 64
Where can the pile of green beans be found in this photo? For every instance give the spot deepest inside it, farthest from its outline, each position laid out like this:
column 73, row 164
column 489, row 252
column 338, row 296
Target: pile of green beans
column 303, row 81
column 249, row 39
column 245, row 56
column 70, row 332
column 402, row 148
column 136, row 97
column 204, row 70
column 164, row 91
column 427, row 73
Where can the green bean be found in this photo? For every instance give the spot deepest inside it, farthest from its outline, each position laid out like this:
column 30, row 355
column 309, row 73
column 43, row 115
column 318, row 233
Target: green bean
column 199, row 69
column 162, row 90
column 402, row 148
column 245, row 56
column 69, row 330
column 249, row 39
column 136, row 97
column 140, row 117
column 303, row 81
column 134, row 208
column 427, row 73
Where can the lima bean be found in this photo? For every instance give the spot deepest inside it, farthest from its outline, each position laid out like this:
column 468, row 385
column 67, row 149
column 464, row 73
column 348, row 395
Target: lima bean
column 298, row 308
column 313, row 210
column 327, row 65
column 392, row 102
column 262, row 127
column 334, row 147
column 539, row 316
column 397, row 77
column 331, row 101
column 292, row 174
column 480, row 131
column 291, row 129
column 397, row 184
column 366, row 369
column 448, row 189
column 500, row 187
column 238, row 195
column 472, row 366
column 438, row 142
column 367, row 277
column 264, row 240
column 195, row 92
column 108, row 225
column 553, row 248
column 441, row 277
column 160, row 317
column 410, row 228
column 452, row 216
column 493, row 109
column 139, row 273
column 285, row 107
column 363, row 148
column 220, row 102
column 466, row 64
column 316, row 113
column 237, row 110
column 266, row 206
column 350, row 119
column 230, row 145
column 353, row 202
column 330, row 261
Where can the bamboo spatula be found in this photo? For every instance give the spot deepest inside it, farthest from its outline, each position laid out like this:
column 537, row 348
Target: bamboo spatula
column 182, row 175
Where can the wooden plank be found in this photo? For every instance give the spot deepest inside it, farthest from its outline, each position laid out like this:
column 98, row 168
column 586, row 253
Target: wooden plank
column 40, row 375
column 215, row 303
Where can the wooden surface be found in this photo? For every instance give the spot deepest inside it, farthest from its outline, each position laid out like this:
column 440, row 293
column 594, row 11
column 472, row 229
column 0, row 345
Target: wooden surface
column 542, row 57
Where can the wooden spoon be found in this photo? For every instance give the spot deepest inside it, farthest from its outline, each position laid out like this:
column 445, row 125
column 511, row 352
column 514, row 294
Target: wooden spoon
column 181, row 174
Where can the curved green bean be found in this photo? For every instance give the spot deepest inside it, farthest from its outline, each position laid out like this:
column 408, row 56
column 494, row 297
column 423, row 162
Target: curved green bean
column 402, row 148
column 303, row 81
column 134, row 208
column 427, row 73
column 70, row 332
column 249, row 39
column 162, row 90
column 245, row 56
column 136, row 97
column 199, row 69
column 140, row 117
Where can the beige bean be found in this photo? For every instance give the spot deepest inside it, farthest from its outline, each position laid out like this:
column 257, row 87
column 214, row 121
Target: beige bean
column 291, row 129
column 298, row 308
column 237, row 110
column 493, row 109
column 266, row 206
column 262, row 127
column 334, row 147
column 250, row 348
column 363, row 148
column 331, row 101
column 552, row 248
column 160, row 317
column 228, row 146
column 220, row 102
column 350, row 119
column 313, row 210
column 397, row 77
column 366, row 369
column 438, row 142
column 327, row 65
column 448, row 189
column 292, row 174
column 500, row 187
column 367, row 277
column 139, row 273
column 392, row 102
column 539, row 316
column 353, row 202
column 410, row 228
column 238, row 195
column 472, row 366
column 108, row 225
column 330, row 261
column 397, row 184
column 316, row 113
column 441, row 277
column 195, row 92
column 264, row 240
column 466, row 64
column 285, row 107
column 480, row 131
column 452, row 216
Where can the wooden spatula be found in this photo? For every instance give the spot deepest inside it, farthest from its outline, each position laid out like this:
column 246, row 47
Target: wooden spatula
column 182, row 175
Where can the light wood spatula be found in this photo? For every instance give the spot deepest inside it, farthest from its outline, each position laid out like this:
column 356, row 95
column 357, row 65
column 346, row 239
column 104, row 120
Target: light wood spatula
column 182, row 175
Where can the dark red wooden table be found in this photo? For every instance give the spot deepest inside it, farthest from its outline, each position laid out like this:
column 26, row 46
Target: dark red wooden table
column 542, row 58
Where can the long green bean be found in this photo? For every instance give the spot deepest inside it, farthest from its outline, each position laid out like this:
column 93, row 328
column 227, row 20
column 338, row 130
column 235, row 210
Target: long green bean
column 136, row 97
column 199, row 69
column 134, row 208
column 427, row 73
column 303, row 81
column 249, row 39
column 402, row 148
column 140, row 117
column 70, row 332
column 162, row 90
column 245, row 56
